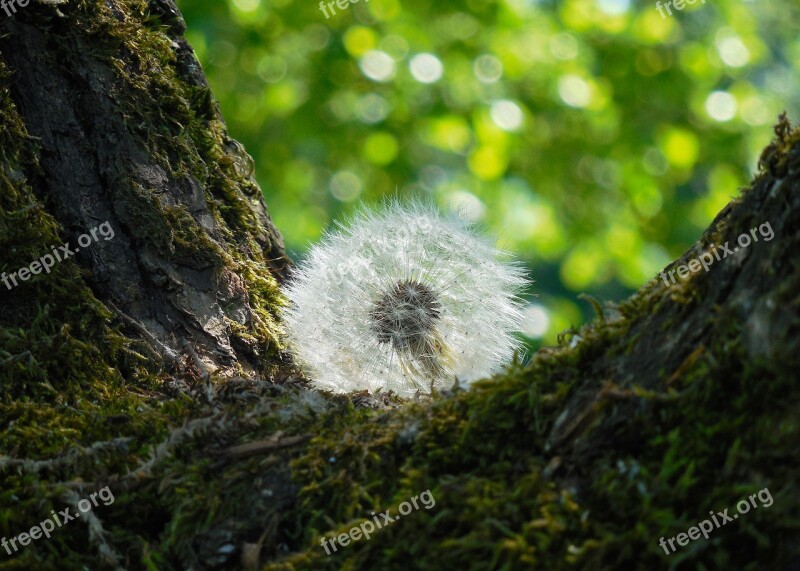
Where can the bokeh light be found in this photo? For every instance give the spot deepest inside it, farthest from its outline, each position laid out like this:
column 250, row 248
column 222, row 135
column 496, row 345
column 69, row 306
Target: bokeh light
column 595, row 138
column 377, row 65
column 426, row 68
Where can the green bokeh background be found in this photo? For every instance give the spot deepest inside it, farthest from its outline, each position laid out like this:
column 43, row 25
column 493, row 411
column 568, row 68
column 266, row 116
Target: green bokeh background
column 595, row 138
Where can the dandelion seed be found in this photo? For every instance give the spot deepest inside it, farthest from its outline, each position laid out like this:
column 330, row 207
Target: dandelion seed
column 403, row 299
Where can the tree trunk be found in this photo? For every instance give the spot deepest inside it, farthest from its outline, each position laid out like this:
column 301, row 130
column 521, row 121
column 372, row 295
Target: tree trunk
column 128, row 133
column 149, row 364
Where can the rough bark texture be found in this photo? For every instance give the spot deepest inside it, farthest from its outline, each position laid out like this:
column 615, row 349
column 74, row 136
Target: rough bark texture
column 118, row 123
column 151, row 363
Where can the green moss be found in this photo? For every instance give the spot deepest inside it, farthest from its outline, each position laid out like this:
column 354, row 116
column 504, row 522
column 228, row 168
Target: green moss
column 60, row 362
column 179, row 126
column 482, row 454
column 69, row 380
column 647, row 462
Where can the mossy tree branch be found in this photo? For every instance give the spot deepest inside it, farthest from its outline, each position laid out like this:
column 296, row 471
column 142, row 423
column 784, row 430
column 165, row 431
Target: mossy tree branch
column 681, row 400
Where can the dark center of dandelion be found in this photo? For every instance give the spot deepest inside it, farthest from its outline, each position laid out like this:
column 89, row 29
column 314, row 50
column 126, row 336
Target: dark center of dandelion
column 406, row 317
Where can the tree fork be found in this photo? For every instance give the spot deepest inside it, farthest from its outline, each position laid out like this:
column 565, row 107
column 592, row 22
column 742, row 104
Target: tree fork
column 668, row 405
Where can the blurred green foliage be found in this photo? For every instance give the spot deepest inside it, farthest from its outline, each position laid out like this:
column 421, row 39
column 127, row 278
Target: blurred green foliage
column 596, row 138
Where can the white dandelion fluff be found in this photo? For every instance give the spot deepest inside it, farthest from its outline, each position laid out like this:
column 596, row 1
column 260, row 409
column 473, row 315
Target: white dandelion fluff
column 403, row 299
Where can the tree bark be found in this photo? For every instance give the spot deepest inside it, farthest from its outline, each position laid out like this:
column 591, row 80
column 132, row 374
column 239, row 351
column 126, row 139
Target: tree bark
column 128, row 133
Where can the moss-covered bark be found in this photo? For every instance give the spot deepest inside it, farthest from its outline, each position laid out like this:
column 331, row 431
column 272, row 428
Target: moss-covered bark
column 105, row 116
column 150, row 363
column 680, row 401
column 122, row 128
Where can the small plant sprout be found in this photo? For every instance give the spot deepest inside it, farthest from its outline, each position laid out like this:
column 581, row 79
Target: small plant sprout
column 403, row 299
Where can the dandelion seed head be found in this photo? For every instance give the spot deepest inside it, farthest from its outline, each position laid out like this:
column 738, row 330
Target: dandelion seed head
column 405, row 314
column 401, row 299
